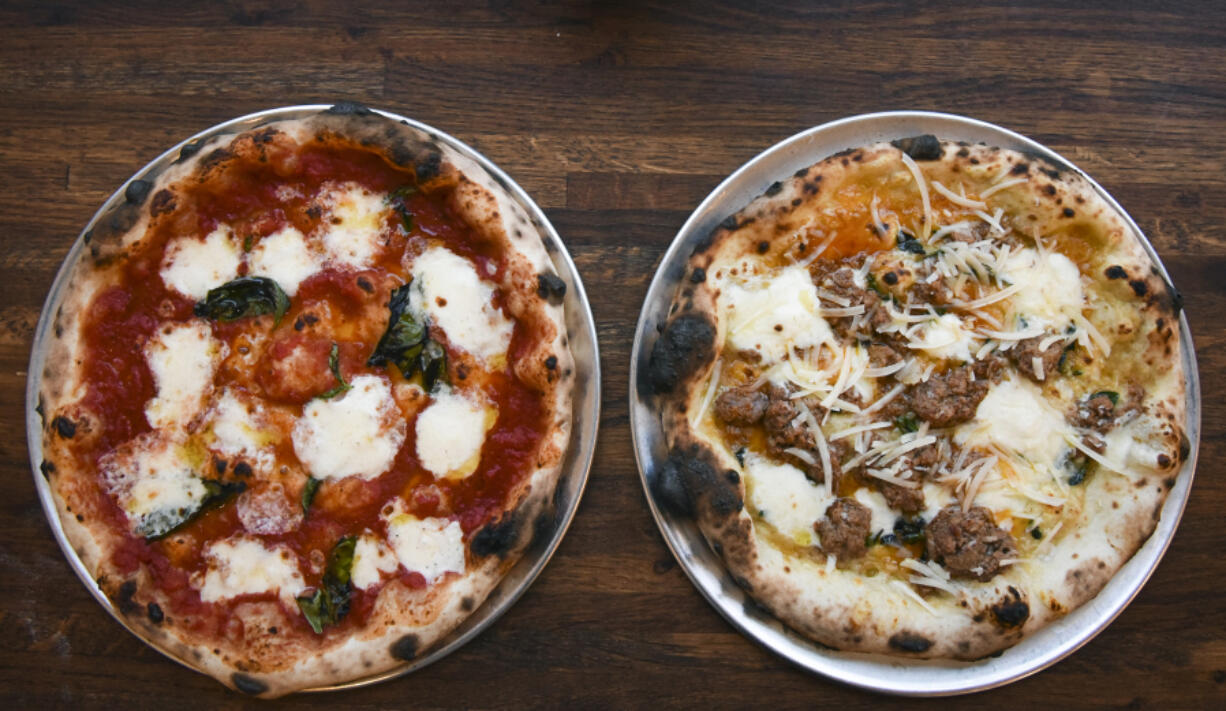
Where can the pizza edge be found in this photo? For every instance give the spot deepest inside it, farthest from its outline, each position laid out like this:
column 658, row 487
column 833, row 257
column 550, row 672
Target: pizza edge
column 483, row 201
column 701, row 479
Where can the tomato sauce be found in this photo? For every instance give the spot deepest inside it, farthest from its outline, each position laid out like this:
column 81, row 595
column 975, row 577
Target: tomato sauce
column 255, row 199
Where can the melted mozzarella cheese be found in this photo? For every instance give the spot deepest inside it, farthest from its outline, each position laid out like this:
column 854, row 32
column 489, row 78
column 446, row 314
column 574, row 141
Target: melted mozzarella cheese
column 448, row 291
column 244, row 566
column 776, row 315
column 153, row 476
column 430, row 546
column 1015, row 416
column 371, row 559
column 1135, row 445
column 785, row 498
column 269, row 510
column 1051, row 292
column 285, row 258
column 450, row 433
column 237, row 431
column 182, row 358
column 192, row 266
column 883, row 516
column 354, row 225
column 944, row 337
column 355, row 434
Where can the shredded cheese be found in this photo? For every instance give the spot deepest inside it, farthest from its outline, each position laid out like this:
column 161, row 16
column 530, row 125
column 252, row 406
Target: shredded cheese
column 958, row 199
column 923, row 191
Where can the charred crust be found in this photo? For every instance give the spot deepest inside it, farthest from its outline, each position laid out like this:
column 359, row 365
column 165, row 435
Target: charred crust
column 428, row 167
column 497, row 537
column 214, row 159
column 801, row 173
column 923, row 147
column 348, row 108
column 1011, row 611
column 550, row 287
column 136, row 191
column 365, row 285
column 774, row 189
column 698, row 276
column 702, row 482
column 124, row 598
column 242, row 469
column 1049, row 189
column 1068, row 212
column 910, row 642
column 405, row 648
column 1139, row 287
column 669, row 490
column 190, row 149
column 64, row 427
column 551, row 362
column 1115, row 271
column 686, row 344
column 47, row 468
column 154, row 611
column 248, row 684
column 1020, row 169
column 763, row 247
column 467, row 603
column 1056, row 166
column 163, row 202
column 729, row 223
column 122, row 218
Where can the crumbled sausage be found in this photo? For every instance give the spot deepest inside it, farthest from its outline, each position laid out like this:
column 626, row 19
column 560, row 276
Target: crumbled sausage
column 882, row 354
column 901, row 498
column 1025, row 352
column 741, row 406
column 990, row 367
column 844, row 529
column 1095, row 413
column 949, row 398
column 969, row 544
column 782, row 429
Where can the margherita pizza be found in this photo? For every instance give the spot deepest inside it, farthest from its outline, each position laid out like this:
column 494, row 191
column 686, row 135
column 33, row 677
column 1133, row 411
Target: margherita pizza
column 923, row 397
column 306, row 397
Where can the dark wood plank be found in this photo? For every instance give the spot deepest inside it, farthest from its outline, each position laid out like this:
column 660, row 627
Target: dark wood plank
column 618, row 118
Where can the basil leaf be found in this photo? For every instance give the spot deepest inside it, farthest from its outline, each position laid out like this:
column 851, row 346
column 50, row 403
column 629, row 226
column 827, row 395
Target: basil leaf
column 334, row 362
column 908, row 243
column 243, row 297
column 308, row 493
column 910, row 530
column 433, row 365
column 397, row 200
column 404, row 338
column 1113, row 396
column 161, row 523
column 330, row 602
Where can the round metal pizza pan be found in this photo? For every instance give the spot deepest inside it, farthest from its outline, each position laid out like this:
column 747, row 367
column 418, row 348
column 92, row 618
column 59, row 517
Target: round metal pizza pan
column 876, row 672
column 581, row 331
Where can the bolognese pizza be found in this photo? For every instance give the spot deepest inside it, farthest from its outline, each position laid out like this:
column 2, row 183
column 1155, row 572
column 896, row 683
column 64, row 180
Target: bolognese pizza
column 306, row 396
column 923, row 397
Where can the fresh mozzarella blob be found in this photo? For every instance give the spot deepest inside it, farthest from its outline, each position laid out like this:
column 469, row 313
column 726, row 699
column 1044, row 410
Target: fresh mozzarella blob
column 1051, row 291
column 284, row 257
column 775, row 315
column 785, row 498
column 237, row 431
column 430, row 546
column 1135, row 445
column 269, row 510
column 1015, row 416
column 450, row 433
column 356, row 433
column 354, row 225
column 244, row 566
column 154, row 476
column 182, row 358
column 448, row 291
column 371, row 559
column 192, row 266
column 944, row 337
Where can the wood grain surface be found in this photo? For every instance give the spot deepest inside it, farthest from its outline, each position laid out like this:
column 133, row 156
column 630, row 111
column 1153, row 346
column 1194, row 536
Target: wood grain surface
column 618, row 118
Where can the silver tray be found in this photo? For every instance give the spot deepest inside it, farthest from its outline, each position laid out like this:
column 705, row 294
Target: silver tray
column 581, row 332
column 877, row 672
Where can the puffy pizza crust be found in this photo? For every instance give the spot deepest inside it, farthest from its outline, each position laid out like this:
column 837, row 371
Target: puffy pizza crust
column 852, row 612
column 406, row 623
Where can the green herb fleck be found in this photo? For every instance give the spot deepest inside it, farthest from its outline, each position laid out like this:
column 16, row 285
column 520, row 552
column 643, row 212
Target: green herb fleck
column 243, row 297
column 334, row 362
column 406, row 343
column 906, row 423
column 910, row 530
column 247, row 242
column 397, row 199
column 163, row 522
column 1113, row 396
column 308, row 493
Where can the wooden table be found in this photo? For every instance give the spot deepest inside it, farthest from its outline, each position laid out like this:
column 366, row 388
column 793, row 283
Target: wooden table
column 618, row 118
